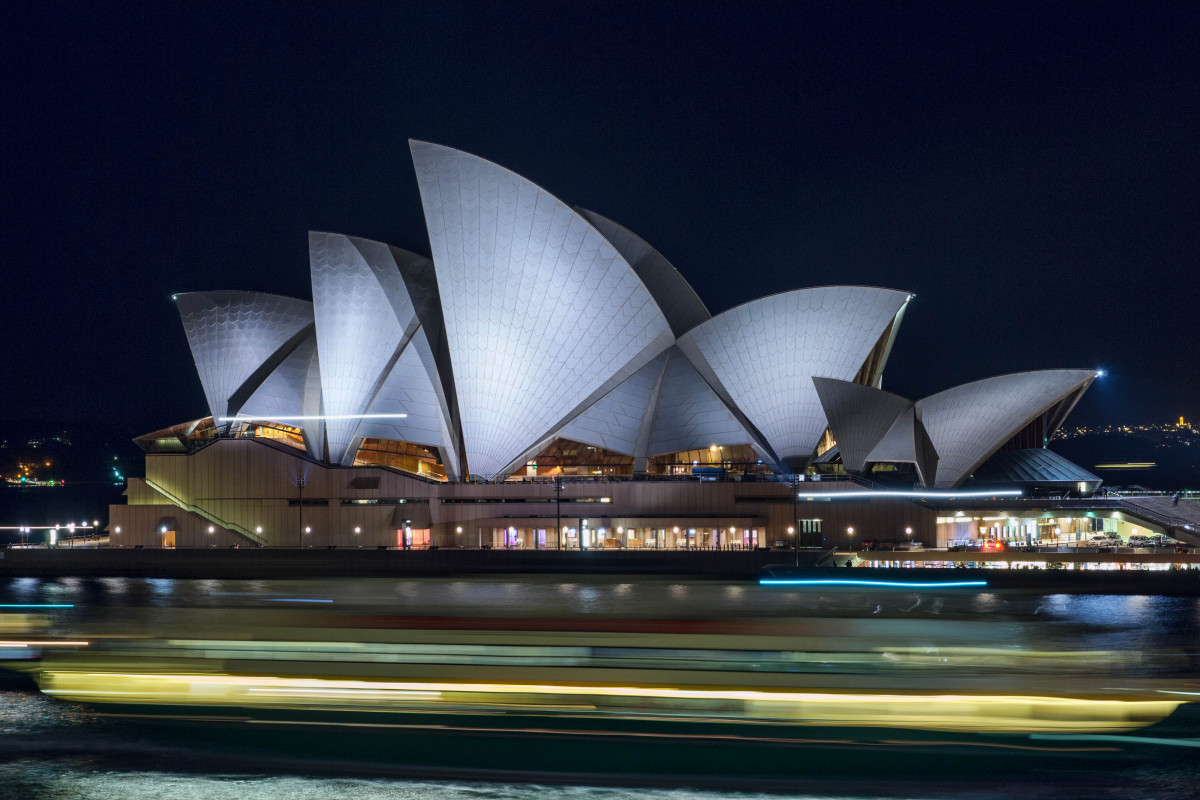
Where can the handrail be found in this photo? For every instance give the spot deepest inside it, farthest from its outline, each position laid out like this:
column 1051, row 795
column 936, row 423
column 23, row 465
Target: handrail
column 1156, row 515
column 205, row 515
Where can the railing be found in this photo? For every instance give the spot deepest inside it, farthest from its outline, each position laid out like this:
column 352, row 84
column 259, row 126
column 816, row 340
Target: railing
column 768, row 477
column 1123, row 503
column 205, row 515
column 1156, row 515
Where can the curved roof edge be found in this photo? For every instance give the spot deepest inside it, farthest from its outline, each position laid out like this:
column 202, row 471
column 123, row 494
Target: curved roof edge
column 678, row 301
column 784, row 292
column 176, row 295
column 490, row 226
column 860, row 416
column 760, row 356
column 237, row 338
column 970, row 422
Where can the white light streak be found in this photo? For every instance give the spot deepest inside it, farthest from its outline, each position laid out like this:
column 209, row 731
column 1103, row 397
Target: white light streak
column 901, row 493
column 307, row 417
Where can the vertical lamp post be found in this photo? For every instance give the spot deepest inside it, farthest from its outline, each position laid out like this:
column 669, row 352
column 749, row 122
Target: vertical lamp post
column 558, row 509
column 300, row 485
column 796, row 516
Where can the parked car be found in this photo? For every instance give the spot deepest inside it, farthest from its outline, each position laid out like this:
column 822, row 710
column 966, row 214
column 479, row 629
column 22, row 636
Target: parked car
column 1141, row 540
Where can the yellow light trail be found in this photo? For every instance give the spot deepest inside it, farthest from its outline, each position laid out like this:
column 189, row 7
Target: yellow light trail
column 1023, row 713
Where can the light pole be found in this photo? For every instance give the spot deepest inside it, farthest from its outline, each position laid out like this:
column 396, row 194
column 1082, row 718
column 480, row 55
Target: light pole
column 300, row 485
column 558, row 509
column 795, row 529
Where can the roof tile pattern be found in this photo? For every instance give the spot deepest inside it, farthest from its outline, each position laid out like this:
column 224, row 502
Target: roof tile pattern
column 907, row 441
column 407, row 390
column 690, row 415
column 765, row 354
column 616, row 419
column 540, row 309
column 859, row 416
column 674, row 295
column 232, row 334
column 293, row 389
column 363, row 318
column 970, row 422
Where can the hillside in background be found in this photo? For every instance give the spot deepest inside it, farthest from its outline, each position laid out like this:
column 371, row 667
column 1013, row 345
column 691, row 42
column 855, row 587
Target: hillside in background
column 55, row 473
column 1161, row 457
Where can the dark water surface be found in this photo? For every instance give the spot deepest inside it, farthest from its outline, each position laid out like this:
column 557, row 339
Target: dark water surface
column 53, row 749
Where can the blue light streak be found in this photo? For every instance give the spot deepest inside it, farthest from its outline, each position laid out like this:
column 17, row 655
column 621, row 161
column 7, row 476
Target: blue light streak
column 37, row 605
column 295, row 600
column 852, row 582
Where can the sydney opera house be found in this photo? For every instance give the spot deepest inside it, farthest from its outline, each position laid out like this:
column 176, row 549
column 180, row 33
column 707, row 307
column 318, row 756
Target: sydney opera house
column 547, row 379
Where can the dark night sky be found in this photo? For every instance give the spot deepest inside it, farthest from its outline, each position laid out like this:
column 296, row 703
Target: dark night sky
column 1030, row 170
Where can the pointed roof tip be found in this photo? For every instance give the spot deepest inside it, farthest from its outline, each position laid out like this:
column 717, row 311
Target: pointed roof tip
column 1080, row 375
column 177, row 296
column 824, row 384
column 677, row 298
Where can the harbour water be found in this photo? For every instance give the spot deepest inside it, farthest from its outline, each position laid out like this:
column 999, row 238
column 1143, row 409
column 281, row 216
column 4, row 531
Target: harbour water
column 1033, row 643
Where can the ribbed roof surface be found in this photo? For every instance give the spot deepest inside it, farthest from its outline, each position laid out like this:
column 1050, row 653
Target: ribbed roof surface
column 541, row 311
column 970, row 422
column 1032, row 466
column 765, row 353
column 233, row 334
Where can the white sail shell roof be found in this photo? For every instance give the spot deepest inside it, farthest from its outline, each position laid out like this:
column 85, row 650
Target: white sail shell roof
column 679, row 302
column 364, row 320
column 535, row 321
column 233, row 336
column 617, row 420
column 907, row 441
column 969, row 423
column 764, row 354
column 541, row 312
column 689, row 414
column 859, row 417
column 409, row 390
column 292, row 390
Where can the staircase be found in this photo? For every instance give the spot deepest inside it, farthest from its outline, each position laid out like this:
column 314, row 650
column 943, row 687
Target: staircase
column 205, row 515
column 1181, row 521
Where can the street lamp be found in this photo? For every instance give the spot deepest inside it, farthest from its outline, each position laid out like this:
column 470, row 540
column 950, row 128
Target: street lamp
column 300, row 481
column 850, row 533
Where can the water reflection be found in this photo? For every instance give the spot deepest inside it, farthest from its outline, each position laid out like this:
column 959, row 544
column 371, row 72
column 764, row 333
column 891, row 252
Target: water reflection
column 655, row 675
